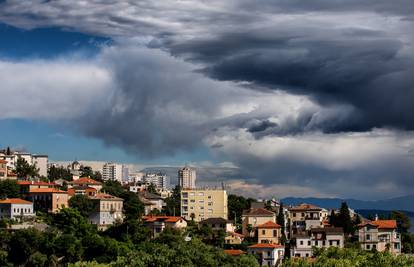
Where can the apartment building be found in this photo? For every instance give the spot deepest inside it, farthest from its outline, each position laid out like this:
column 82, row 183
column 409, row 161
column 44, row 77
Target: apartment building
column 158, row 179
column 316, row 237
column 27, row 186
column 201, row 204
column 107, row 210
column 254, row 217
column 112, row 172
column 41, row 161
column 48, row 199
column 306, row 216
column 187, row 178
column 380, row 235
column 16, row 208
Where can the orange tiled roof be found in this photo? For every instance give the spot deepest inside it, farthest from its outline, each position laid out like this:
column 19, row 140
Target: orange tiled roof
column 234, row 252
column 258, row 212
column 162, row 218
column 14, row 201
column 235, row 234
column 269, row 224
column 85, row 180
column 3, row 161
column 47, row 190
column 305, row 206
column 105, row 196
column 265, row 245
column 381, row 224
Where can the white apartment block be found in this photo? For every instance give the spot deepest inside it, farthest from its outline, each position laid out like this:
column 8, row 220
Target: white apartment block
column 201, row 204
column 158, row 179
column 187, row 178
column 41, row 161
column 16, row 208
column 112, row 171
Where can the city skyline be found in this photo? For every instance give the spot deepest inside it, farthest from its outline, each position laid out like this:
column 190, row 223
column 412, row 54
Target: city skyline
column 304, row 99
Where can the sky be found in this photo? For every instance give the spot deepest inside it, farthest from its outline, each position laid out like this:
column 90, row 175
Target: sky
column 299, row 98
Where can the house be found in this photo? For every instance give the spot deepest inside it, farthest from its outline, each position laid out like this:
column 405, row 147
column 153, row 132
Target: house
column 27, row 186
column 157, row 224
column 107, row 210
column 267, row 254
column 233, row 238
column 82, row 190
column 254, row 217
column 3, row 169
column 234, row 252
column 219, row 223
column 48, row 199
column 86, row 181
column 15, row 208
column 380, row 235
column 151, row 201
column 316, row 237
column 269, row 232
column 306, row 216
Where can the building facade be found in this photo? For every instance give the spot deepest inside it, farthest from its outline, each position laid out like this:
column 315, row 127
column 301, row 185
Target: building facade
column 201, row 204
column 267, row 254
column 107, row 210
column 112, row 172
column 269, row 232
column 380, row 235
column 16, row 208
column 41, row 161
column 187, row 178
column 48, row 199
column 254, row 217
column 158, row 179
column 306, row 216
column 157, row 224
column 3, row 169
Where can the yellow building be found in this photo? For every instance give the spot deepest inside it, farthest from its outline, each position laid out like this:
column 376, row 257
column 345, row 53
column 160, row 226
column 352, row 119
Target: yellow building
column 269, row 232
column 202, row 204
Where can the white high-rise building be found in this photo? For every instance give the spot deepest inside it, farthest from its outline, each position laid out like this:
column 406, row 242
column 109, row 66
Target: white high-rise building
column 187, row 178
column 158, row 179
column 112, row 171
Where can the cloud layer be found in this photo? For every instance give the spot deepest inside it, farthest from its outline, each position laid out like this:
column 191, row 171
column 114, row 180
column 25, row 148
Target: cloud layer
column 311, row 96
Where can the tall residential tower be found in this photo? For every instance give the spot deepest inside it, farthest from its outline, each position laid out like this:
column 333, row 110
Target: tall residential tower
column 187, row 178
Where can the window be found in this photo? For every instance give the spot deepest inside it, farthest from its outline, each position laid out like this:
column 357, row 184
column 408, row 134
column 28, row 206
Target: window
column 209, row 197
column 323, row 243
column 301, row 242
column 368, row 246
column 330, row 242
column 275, row 233
column 294, row 214
column 309, row 243
column 303, row 214
column 201, row 194
column 263, row 232
column 374, row 246
column 368, row 237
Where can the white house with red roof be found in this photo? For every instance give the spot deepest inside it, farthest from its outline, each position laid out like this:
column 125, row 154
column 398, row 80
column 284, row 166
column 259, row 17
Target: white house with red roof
column 268, row 254
column 157, row 224
column 380, row 235
column 16, row 208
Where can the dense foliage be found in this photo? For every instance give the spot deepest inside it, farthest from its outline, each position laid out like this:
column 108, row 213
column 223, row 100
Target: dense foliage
column 9, row 189
column 26, row 170
column 56, row 173
column 237, row 204
column 351, row 257
column 71, row 239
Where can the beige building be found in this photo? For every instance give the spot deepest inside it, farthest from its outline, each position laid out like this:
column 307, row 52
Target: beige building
column 48, row 199
column 187, row 178
column 380, row 235
column 3, row 169
column 107, row 210
column 202, row 204
column 269, row 233
column 306, row 216
column 254, row 217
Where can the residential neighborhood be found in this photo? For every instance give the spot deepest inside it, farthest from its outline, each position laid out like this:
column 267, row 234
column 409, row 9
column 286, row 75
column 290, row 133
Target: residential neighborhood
column 266, row 229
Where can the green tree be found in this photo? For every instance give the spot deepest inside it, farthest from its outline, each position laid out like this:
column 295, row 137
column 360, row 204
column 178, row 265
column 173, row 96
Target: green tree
column 344, row 220
column 133, row 206
column 280, row 219
column 86, row 171
column 70, row 221
column 9, row 189
column 236, row 205
column 173, row 202
column 55, row 173
column 152, row 188
column 26, row 170
column 83, row 204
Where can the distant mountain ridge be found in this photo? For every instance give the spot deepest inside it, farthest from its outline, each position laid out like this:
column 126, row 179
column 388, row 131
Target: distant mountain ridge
column 398, row 203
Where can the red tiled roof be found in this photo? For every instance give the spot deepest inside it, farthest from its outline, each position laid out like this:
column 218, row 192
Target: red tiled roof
column 47, row 190
column 269, row 224
column 381, row 224
column 265, row 245
column 304, row 206
column 258, row 212
column 234, row 252
column 14, row 201
column 105, row 196
column 235, row 234
column 162, row 218
column 36, row 183
column 3, row 161
column 85, row 180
